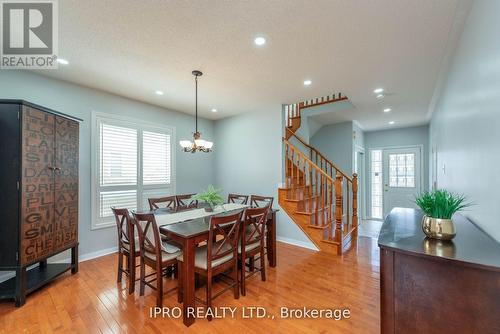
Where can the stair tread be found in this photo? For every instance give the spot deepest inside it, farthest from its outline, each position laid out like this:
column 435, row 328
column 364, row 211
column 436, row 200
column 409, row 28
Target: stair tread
column 298, row 199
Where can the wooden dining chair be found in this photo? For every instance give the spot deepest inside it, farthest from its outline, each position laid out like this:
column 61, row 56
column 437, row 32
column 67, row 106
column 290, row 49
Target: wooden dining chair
column 154, row 254
column 261, row 201
column 128, row 247
column 184, row 201
column 239, row 199
column 252, row 244
column 162, row 202
column 217, row 257
column 257, row 201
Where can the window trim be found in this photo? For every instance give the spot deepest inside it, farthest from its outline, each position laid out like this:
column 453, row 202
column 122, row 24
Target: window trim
column 118, row 120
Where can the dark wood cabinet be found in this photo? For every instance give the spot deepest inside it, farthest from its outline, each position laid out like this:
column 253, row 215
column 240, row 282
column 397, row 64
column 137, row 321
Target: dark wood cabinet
column 432, row 286
column 39, row 197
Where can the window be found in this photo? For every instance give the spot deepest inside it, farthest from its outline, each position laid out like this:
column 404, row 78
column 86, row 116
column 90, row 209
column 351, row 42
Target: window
column 132, row 161
column 376, row 184
column 402, row 170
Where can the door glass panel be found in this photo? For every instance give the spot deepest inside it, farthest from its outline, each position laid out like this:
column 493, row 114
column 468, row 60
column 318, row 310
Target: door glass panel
column 376, row 186
column 402, row 170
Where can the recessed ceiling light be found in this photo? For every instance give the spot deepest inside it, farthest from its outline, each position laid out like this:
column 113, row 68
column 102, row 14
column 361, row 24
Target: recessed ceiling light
column 259, row 41
column 380, row 96
column 378, row 90
column 214, row 110
column 158, row 92
column 307, row 82
column 387, row 109
column 62, row 61
column 391, row 122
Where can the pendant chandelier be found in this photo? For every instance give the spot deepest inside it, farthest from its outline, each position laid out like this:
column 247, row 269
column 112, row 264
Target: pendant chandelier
column 197, row 144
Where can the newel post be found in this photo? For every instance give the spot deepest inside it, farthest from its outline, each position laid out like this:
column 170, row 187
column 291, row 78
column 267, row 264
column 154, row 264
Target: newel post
column 338, row 212
column 354, row 200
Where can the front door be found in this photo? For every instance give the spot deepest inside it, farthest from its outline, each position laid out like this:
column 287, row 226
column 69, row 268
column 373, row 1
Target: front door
column 402, row 177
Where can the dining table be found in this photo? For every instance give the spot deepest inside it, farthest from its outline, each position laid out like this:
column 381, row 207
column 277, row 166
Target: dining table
column 190, row 226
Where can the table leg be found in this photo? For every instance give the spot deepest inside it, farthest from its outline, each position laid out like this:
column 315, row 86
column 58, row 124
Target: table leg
column 188, row 282
column 271, row 240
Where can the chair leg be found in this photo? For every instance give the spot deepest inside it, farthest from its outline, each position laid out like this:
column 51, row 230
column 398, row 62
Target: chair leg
column 179, row 282
column 127, row 261
column 131, row 276
column 159, row 285
column 251, row 264
column 236, row 288
column 176, row 271
column 143, row 277
column 209, row 296
column 262, row 265
column 243, row 274
column 120, row 266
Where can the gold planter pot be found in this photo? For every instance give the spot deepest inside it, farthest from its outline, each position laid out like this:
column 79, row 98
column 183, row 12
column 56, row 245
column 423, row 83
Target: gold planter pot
column 436, row 228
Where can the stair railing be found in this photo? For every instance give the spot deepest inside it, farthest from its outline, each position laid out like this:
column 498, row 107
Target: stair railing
column 335, row 191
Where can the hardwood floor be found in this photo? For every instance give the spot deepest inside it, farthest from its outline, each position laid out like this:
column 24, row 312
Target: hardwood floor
column 92, row 302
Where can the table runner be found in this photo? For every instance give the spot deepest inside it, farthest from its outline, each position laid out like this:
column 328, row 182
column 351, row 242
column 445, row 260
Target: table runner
column 182, row 216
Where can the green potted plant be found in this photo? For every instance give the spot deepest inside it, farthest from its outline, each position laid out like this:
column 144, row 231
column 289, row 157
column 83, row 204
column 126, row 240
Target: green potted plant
column 439, row 206
column 211, row 196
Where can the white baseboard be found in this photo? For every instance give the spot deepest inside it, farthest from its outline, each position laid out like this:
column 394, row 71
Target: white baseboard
column 90, row 256
column 298, row 243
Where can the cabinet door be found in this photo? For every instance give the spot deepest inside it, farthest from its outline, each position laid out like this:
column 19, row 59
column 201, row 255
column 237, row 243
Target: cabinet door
column 37, row 181
column 66, row 183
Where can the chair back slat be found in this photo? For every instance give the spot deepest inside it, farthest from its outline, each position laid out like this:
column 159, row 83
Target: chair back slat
column 164, row 202
column 186, row 202
column 149, row 234
column 236, row 198
column 228, row 227
column 254, row 225
column 261, row 201
column 125, row 227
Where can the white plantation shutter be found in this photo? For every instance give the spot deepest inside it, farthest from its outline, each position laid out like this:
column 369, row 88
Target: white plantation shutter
column 119, row 199
column 156, row 158
column 118, row 155
column 133, row 162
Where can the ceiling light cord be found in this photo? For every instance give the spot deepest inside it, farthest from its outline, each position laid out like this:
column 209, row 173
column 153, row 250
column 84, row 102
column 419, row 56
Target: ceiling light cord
column 196, row 103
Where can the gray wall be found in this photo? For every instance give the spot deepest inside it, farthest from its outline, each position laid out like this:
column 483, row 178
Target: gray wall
column 411, row 136
column 248, row 160
column 193, row 171
column 465, row 125
column 336, row 143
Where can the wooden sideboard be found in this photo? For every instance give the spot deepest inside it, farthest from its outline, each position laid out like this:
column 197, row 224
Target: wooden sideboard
column 431, row 286
column 39, row 197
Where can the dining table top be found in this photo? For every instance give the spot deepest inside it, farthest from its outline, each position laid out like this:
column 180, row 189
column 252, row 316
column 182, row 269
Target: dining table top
column 193, row 227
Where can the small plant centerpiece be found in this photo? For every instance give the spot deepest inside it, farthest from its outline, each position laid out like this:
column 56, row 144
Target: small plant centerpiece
column 439, row 206
column 211, row 196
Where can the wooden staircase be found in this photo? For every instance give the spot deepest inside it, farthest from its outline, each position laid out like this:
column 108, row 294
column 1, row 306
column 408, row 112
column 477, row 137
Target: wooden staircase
column 319, row 197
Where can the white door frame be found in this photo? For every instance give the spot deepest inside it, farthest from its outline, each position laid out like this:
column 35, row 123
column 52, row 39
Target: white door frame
column 363, row 184
column 369, row 174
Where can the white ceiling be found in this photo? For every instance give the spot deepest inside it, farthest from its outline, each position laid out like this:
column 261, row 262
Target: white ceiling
column 133, row 48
